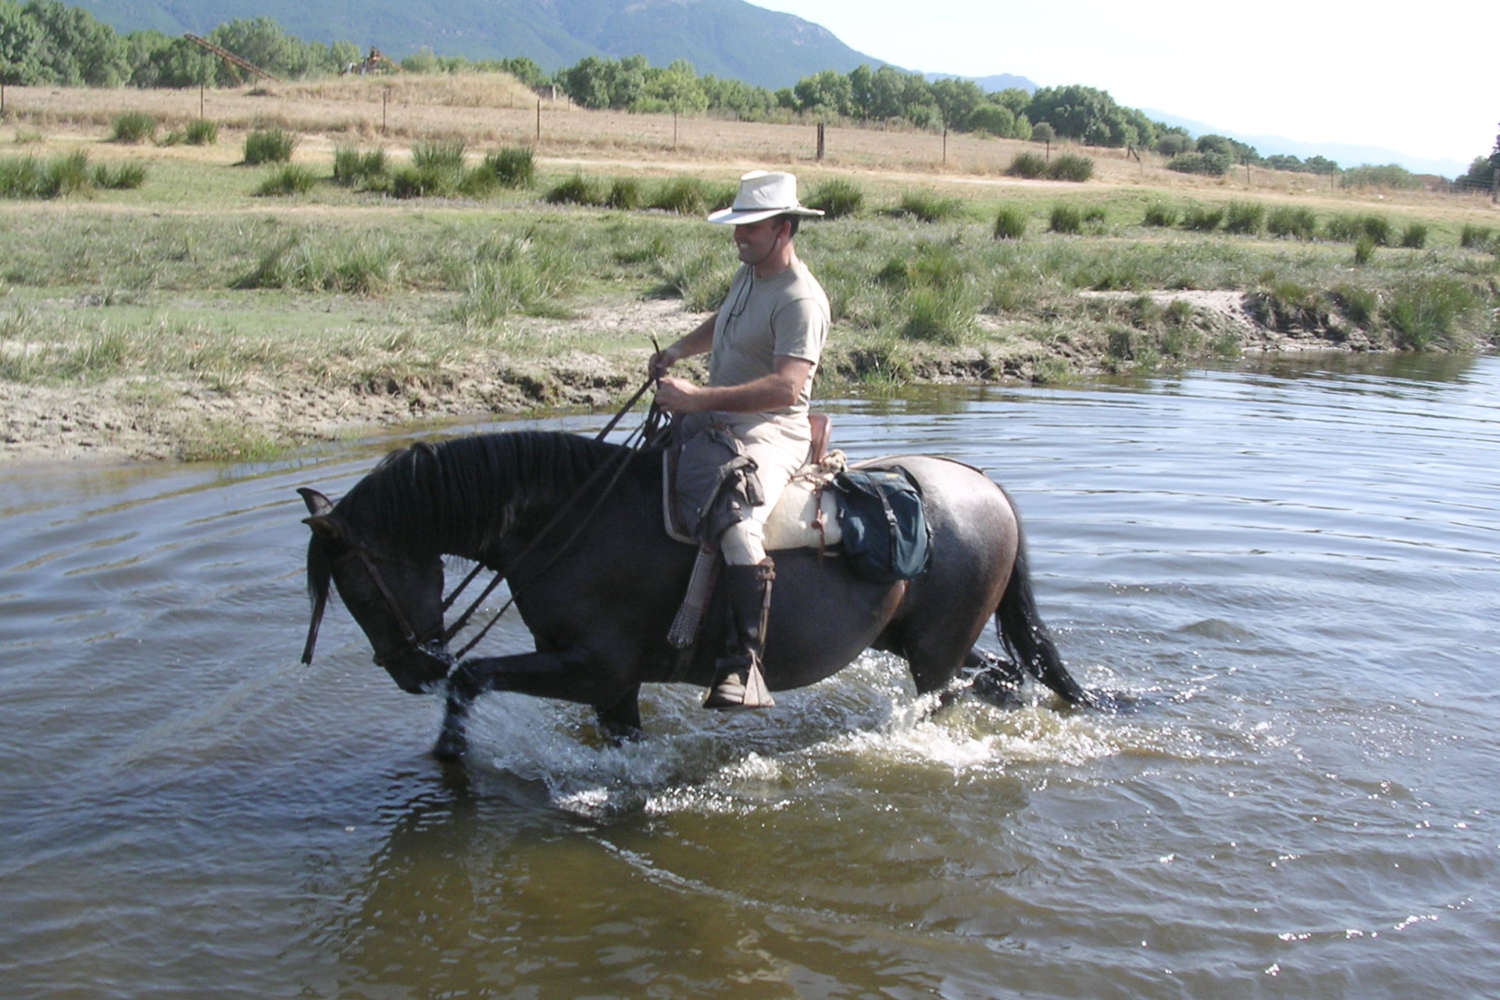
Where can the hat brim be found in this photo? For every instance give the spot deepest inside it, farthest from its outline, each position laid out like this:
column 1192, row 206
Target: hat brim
column 736, row 217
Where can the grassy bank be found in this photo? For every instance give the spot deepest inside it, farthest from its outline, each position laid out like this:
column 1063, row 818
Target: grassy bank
column 202, row 313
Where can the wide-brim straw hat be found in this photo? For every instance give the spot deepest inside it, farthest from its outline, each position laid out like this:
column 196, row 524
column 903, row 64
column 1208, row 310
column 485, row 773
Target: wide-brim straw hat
column 763, row 194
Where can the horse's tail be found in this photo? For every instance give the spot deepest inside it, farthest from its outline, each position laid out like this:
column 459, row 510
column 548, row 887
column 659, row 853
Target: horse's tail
column 1026, row 637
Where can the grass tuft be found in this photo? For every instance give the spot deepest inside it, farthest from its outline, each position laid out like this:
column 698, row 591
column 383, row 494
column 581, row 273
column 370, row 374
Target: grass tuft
column 270, row 145
column 290, row 178
column 133, row 127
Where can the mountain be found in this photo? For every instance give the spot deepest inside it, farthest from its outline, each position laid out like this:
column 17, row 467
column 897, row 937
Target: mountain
column 729, row 39
column 1345, row 155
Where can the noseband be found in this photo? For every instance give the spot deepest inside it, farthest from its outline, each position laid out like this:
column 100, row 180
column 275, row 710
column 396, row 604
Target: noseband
column 432, row 648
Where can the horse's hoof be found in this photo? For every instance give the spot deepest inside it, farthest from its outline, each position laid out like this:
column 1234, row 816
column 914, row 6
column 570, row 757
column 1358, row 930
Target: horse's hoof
column 450, row 747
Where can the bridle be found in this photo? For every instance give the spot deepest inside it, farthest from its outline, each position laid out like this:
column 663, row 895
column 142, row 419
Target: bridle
column 435, row 647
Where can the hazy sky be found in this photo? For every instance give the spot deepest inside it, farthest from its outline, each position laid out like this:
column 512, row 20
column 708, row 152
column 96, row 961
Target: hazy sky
column 1420, row 79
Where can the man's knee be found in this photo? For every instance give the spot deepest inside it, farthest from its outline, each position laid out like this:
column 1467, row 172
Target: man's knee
column 742, row 544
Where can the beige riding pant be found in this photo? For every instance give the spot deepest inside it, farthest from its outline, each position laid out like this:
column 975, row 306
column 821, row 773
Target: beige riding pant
column 779, row 448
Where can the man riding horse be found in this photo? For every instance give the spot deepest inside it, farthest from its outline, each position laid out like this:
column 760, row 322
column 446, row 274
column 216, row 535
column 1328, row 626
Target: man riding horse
column 765, row 342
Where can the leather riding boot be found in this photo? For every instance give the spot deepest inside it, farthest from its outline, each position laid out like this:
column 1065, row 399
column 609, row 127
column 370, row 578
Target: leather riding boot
column 738, row 682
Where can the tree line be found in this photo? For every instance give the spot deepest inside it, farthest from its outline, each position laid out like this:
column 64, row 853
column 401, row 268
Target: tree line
column 45, row 42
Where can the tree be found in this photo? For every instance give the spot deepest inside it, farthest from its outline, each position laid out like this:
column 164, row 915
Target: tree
column 1495, row 156
column 1173, row 142
column 20, row 47
column 1044, row 132
column 587, row 82
column 260, row 42
column 862, row 92
column 75, row 49
column 160, row 61
column 826, row 92
column 1013, row 98
column 525, row 70
column 996, row 119
column 676, row 88
column 956, row 99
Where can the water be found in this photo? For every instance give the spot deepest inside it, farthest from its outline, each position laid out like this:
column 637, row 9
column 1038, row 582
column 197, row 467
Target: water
column 1291, row 570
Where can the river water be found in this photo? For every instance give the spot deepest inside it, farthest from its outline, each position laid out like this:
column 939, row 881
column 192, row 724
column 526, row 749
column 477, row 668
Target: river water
column 1291, row 571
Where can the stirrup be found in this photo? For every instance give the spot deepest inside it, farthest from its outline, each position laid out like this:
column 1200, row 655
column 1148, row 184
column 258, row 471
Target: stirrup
column 740, row 688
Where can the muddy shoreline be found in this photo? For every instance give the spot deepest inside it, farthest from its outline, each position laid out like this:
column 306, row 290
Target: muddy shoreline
column 117, row 421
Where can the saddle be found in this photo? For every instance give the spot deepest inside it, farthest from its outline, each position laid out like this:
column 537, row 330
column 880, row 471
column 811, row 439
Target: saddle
column 876, row 513
column 806, row 514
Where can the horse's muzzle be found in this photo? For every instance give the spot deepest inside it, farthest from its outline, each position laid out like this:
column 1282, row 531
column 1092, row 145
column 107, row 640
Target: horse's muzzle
column 417, row 668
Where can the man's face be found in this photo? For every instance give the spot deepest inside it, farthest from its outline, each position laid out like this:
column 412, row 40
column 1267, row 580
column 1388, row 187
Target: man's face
column 756, row 240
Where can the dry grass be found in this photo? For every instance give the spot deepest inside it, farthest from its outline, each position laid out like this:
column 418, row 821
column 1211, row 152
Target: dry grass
column 494, row 108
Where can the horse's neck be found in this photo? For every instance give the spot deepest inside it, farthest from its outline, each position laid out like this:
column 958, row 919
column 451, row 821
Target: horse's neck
column 479, row 498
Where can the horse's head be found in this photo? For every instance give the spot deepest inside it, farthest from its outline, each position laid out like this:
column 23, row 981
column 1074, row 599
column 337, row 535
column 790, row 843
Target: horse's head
column 396, row 599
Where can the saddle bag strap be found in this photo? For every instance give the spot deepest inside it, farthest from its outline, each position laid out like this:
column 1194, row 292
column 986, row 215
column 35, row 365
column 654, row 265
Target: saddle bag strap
column 685, row 626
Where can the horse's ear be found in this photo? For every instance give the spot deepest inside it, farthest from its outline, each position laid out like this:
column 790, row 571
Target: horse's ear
column 327, row 526
column 316, row 502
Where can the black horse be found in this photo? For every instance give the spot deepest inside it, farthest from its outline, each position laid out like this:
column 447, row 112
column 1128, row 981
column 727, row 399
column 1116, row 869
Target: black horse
column 599, row 590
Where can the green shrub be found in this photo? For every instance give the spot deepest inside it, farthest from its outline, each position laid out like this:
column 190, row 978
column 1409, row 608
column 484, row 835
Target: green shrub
column 1065, row 219
column 513, row 274
column 270, row 145
column 1414, row 236
column 837, row 198
column 439, row 156
column 1071, row 167
column 576, row 190
column 1349, row 229
column 1377, row 228
column 1210, row 164
column 935, row 315
column 1289, row 221
column 133, row 126
column 291, row 178
column 1474, row 237
column 1202, row 219
column 353, row 167
column 1010, row 223
column 1028, row 165
column 20, row 177
column 1364, row 249
column 1244, row 218
column 1159, row 213
column 68, row 174
column 681, row 195
column 121, row 176
column 1287, row 305
column 929, row 206
column 625, row 194
column 201, row 132
column 1357, row 304
column 513, row 166
column 1426, row 311
column 1342, row 228
column 361, row 267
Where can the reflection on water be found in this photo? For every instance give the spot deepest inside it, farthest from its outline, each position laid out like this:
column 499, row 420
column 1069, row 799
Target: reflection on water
column 1290, row 566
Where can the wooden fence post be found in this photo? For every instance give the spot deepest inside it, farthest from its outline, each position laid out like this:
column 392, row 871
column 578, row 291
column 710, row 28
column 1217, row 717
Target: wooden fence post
column 821, row 146
column 539, row 121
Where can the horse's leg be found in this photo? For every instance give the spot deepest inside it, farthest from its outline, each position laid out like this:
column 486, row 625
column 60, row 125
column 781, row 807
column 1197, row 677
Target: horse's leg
column 994, row 679
column 622, row 720
column 569, row 675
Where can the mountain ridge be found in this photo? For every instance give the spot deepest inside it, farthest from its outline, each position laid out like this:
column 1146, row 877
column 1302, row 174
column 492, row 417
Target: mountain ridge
column 730, row 39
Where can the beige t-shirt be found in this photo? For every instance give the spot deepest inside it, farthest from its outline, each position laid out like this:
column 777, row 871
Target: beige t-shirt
column 762, row 318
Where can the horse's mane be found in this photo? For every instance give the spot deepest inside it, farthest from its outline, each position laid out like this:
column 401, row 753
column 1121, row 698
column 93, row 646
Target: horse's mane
column 464, row 494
